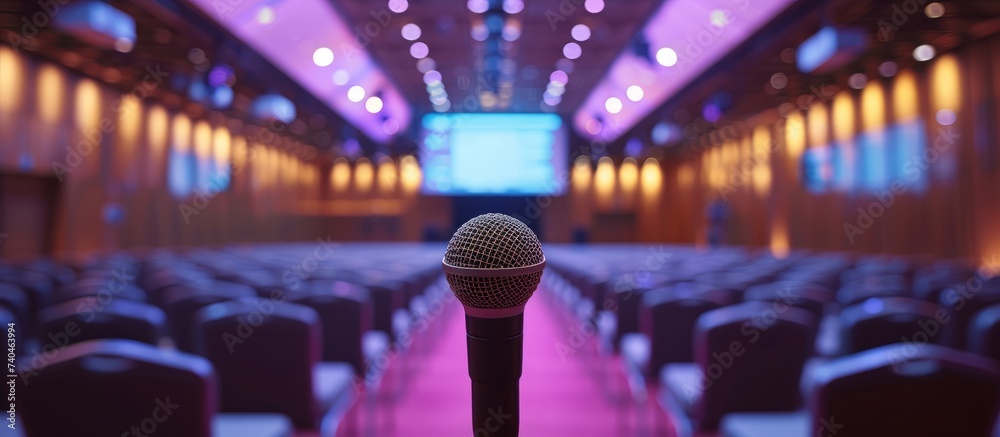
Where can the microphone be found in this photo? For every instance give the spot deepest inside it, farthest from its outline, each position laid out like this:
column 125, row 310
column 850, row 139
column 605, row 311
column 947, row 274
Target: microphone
column 493, row 265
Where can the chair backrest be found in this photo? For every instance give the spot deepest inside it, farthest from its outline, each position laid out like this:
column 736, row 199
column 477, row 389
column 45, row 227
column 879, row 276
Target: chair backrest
column 345, row 313
column 264, row 352
column 963, row 302
column 804, row 295
column 669, row 316
column 984, row 333
column 751, row 356
column 904, row 390
column 102, row 287
column 183, row 301
column 110, row 387
column 880, row 321
column 15, row 299
column 387, row 296
column 93, row 319
column 873, row 286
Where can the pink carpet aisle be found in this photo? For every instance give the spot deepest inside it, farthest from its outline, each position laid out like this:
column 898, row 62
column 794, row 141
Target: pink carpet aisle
column 558, row 398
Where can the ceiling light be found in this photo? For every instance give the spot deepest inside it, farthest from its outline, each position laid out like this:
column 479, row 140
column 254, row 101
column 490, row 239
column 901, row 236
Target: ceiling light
column 857, row 81
column 572, row 50
column 444, row 107
column 559, row 76
column 373, row 104
column 779, row 81
column 341, row 77
column 479, row 31
column 593, row 126
column 478, row 6
column 356, row 93
column 398, row 6
column 888, row 69
column 432, row 76
column 555, row 88
column 719, row 17
column 426, row 64
column 593, row 6
column 419, row 50
column 634, row 93
column 390, row 126
column 924, row 53
column 613, row 105
column 510, row 32
column 323, row 57
column 934, row 10
column 411, row 32
column 580, row 32
column 667, row 57
column 266, row 15
column 513, row 6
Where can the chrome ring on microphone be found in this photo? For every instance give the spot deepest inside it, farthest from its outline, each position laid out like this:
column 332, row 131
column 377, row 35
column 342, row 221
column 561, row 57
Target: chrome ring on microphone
column 493, row 273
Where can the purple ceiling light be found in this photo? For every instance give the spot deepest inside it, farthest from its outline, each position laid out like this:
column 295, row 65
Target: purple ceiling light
column 295, row 37
column 685, row 37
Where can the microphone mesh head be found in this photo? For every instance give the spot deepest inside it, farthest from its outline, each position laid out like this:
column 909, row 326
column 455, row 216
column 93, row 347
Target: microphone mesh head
column 494, row 241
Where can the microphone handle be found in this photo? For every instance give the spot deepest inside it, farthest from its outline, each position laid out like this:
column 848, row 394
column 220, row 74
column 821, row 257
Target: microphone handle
column 495, row 409
column 496, row 348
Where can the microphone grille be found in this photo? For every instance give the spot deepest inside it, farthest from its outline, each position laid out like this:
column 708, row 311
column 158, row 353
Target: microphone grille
column 494, row 241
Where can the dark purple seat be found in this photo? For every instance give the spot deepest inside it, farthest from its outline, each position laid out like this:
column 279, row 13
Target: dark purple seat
column 100, row 287
column 899, row 390
column 669, row 316
column 984, row 333
column 748, row 358
column 881, row 321
column 804, row 295
column 183, row 301
column 15, row 299
column 873, row 286
column 267, row 356
column 964, row 301
column 387, row 296
column 345, row 314
column 626, row 292
column 109, row 387
column 122, row 319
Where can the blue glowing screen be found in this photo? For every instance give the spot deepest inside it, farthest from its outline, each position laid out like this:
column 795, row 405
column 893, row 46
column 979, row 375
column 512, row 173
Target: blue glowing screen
column 493, row 154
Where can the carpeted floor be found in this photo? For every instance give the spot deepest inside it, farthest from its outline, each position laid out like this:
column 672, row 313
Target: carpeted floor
column 559, row 395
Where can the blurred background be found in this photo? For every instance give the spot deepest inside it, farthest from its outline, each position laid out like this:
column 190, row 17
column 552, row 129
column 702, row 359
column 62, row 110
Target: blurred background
column 169, row 168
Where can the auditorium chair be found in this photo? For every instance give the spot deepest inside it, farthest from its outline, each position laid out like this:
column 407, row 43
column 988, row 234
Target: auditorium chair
column 804, row 295
column 893, row 390
column 38, row 288
column 387, row 296
column 984, row 332
column 873, row 286
column 95, row 287
column 929, row 282
column 15, row 300
column 748, row 357
column 626, row 293
column 964, row 301
column 267, row 356
column 881, row 321
column 668, row 319
column 181, row 302
column 345, row 315
column 94, row 319
column 122, row 387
